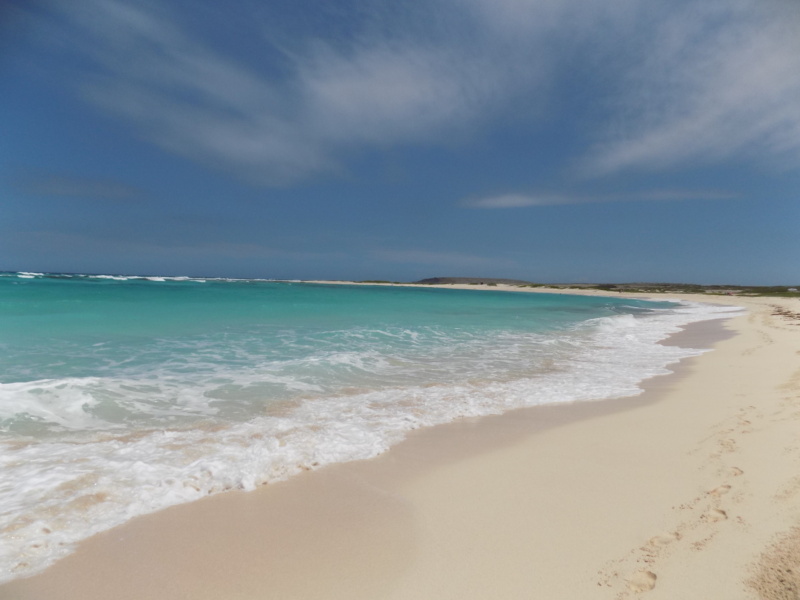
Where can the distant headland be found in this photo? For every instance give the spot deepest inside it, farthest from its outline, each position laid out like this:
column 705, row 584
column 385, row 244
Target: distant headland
column 629, row 288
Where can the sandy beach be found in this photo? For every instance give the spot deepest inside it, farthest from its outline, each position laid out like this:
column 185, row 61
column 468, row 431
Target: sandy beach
column 690, row 490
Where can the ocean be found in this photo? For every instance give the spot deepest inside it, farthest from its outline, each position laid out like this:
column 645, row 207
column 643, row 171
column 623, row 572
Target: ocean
column 123, row 395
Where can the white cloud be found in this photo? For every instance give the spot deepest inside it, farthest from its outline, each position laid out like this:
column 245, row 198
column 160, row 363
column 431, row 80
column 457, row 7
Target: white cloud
column 525, row 200
column 696, row 81
column 718, row 79
column 390, row 94
column 193, row 100
column 518, row 201
column 572, row 20
column 189, row 99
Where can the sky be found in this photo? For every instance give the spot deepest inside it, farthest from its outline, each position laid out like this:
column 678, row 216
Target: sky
column 545, row 140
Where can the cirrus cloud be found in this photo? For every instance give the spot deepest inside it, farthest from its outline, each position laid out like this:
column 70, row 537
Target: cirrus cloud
column 671, row 83
column 527, row 200
column 718, row 80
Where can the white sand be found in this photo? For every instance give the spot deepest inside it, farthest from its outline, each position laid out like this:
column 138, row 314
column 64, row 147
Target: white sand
column 671, row 494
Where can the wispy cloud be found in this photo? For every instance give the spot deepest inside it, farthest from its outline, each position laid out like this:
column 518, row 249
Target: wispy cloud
column 694, row 81
column 503, row 201
column 189, row 98
column 416, row 76
column 182, row 95
column 67, row 186
column 518, row 201
column 717, row 80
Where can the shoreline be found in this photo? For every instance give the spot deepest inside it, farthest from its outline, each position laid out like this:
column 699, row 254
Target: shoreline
column 720, row 299
column 441, row 514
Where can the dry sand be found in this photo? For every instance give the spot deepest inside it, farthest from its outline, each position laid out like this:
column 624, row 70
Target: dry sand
column 690, row 490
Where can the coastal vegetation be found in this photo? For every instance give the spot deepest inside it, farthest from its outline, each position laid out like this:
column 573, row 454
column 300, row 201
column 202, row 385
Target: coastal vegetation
column 647, row 288
column 691, row 288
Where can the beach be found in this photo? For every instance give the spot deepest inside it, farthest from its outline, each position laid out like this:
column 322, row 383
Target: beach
column 676, row 493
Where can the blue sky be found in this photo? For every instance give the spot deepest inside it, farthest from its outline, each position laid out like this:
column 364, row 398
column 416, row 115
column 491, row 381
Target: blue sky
column 559, row 141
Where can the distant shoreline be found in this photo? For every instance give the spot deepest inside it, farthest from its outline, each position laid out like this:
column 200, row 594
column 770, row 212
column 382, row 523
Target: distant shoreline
column 786, row 291
column 634, row 290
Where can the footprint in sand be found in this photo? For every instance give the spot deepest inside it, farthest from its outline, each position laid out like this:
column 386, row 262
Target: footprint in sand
column 715, row 515
column 642, row 581
column 719, row 491
column 736, row 471
column 664, row 540
column 789, row 490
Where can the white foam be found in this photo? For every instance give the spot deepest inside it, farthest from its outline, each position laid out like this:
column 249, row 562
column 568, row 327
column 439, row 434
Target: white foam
column 63, row 402
column 154, row 278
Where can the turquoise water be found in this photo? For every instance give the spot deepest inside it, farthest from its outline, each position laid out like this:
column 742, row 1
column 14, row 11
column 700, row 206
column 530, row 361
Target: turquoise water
column 123, row 395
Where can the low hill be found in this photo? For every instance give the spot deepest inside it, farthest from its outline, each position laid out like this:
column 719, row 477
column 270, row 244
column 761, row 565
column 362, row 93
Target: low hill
column 470, row 280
